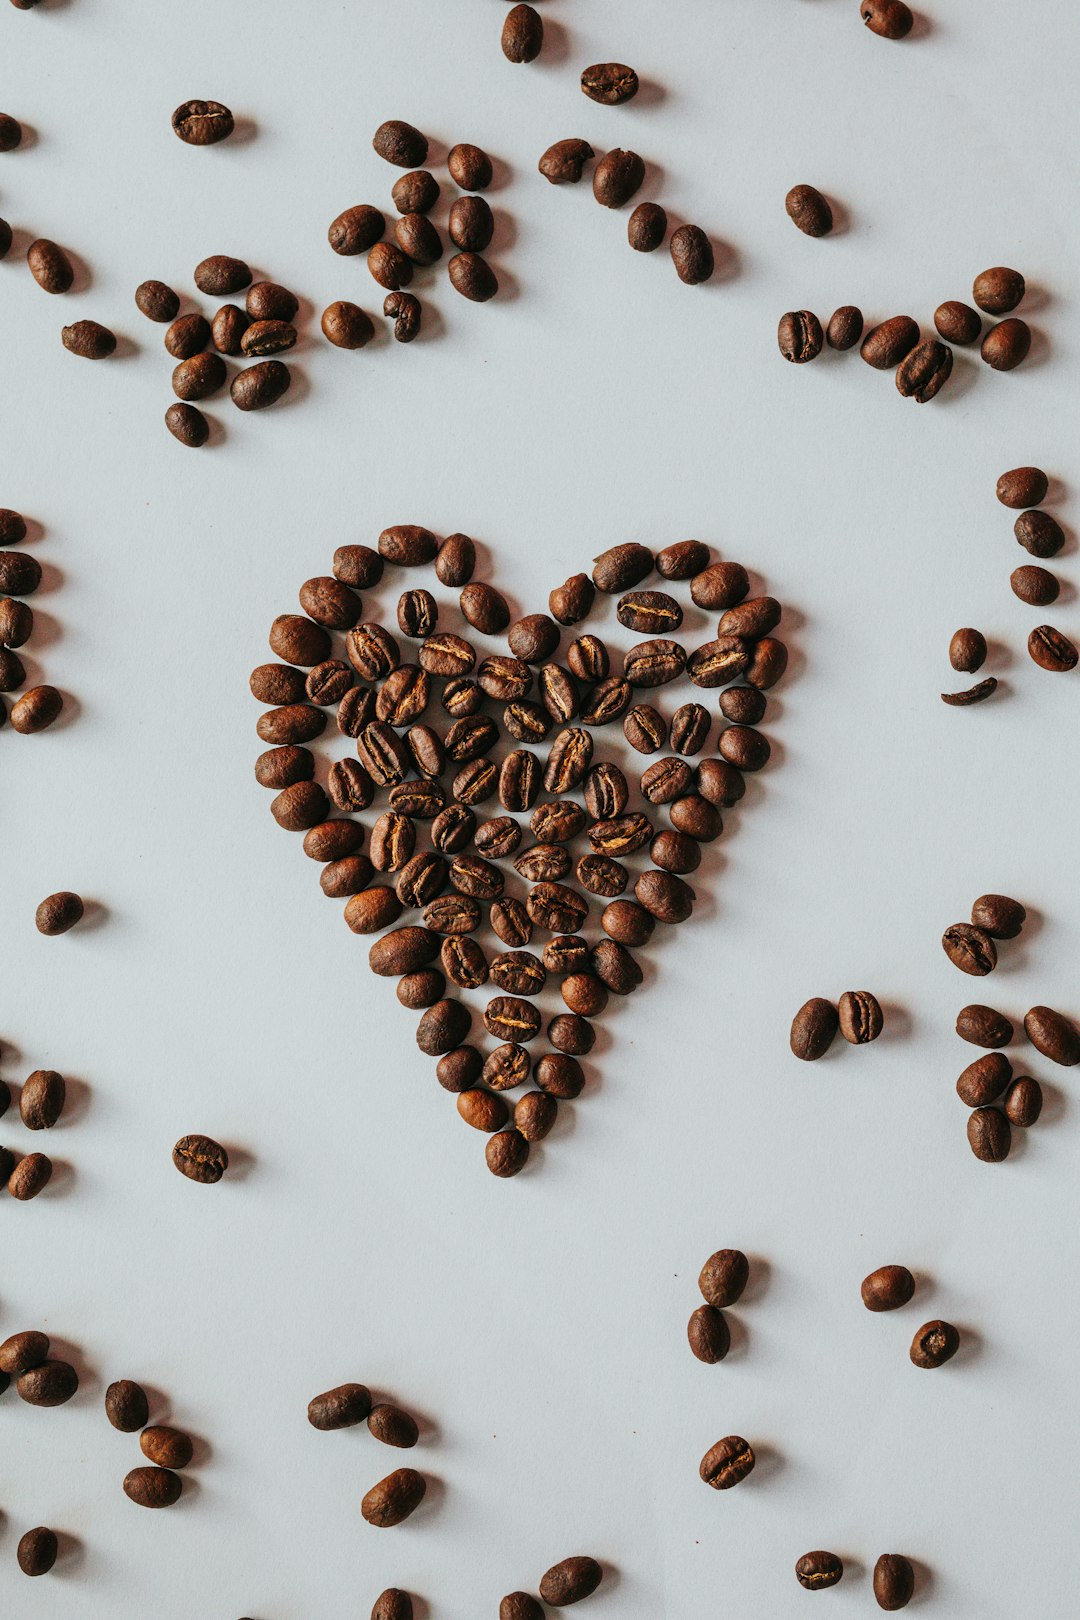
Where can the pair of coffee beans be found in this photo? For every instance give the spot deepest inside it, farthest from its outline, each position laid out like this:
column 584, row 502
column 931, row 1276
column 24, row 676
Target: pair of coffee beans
column 858, row 1017
column 722, row 1280
column 971, row 946
column 894, row 1577
column 891, row 1287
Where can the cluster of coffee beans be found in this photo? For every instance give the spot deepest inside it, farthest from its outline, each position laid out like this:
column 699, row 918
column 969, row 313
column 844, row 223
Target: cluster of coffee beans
column 1025, row 489
column 921, row 366
column 970, row 946
column 157, row 1484
column 41, row 1102
column 20, row 576
column 858, row 1018
column 722, row 1280
column 564, row 1583
column 991, row 1080
column 40, row 1379
column 434, row 853
column 397, row 1496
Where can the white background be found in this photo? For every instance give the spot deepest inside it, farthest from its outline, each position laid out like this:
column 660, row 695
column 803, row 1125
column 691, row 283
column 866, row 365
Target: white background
column 539, row 1325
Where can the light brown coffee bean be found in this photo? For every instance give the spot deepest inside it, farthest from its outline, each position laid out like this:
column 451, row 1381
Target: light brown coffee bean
column 30, row 1176
column 50, row 266
column 41, row 1100
column 887, row 1288
column 809, row 210
column 617, row 176
column 358, row 229
column 153, row 1487
column 506, row 1153
column 1023, row 486
column 935, row 1343
column 885, row 345
column 1023, row 1102
column 860, row 1017
column 989, row 1135
column 168, row 1448
column 401, row 144
column 1007, row 344
column 983, row 1081
column 472, row 277
column 1054, row 1035
column 814, row 1028
column 563, row 162
column 957, row 322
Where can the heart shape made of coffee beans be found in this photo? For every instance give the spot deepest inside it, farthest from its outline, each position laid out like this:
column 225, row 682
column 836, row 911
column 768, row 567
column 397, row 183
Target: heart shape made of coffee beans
column 515, row 726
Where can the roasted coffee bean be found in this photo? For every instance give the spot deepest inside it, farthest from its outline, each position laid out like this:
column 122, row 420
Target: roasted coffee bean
column 656, row 663
column 451, row 657
column 299, row 806
column 12, row 671
column 720, row 661
column 884, row 346
column 201, row 1159
column 720, row 586
column 522, row 34
column 667, row 897
column 970, row 948
column 330, row 603
column 571, row 1034
column 50, row 1383
column 924, row 371
column 519, row 972
column 589, row 658
column 509, row 1018
column 610, row 83
column 41, row 1101
column 393, row 839
column 382, row 754
column 799, row 336
column 695, row 816
column 599, row 874
column 36, row 709
column 817, row 1570
column 555, row 907
column 1023, row 486
column 519, row 780
column 723, row 1277
column 894, row 1581
column 560, row 1075
column 646, row 227
column 283, row 767
column 645, row 729
column 675, row 852
column 809, row 210
column 691, row 254
column 485, row 609
column 649, row 613
column 356, row 710
column 558, row 692
column 452, row 914
column 534, row 638
column 584, row 994
column 665, row 781
column 973, row 694
column 417, row 236
column 983, row 1081
column 617, row 176
column 1001, row 917
column 472, row 277
column 358, row 229
column 16, row 622
column 333, row 840
column 543, row 863
column 566, row 953
column 37, row 1551
column 198, row 377
column 506, row 1153
column 453, row 828
column 682, row 560
column 220, row 275
column 860, row 1017
column 153, row 1487
column 401, row 144
column 444, row 1026
column 168, row 1448
column 503, row 678
column 508, row 1066
column 614, row 966
column 621, row 835
column 535, row 1114
column 621, row 567
column 511, row 922
column 1047, row 646
column 343, row 324
column 1039, row 533
column 88, row 339
column 278, row 684
column 340, row 1408
column 690, row 726
column 742, row 704
column 1054, row 1035
column 999, row 290
column 22, row 1351
column 570, row 1581
column 472, row 875
column 403, row 951
column 405, row 312
column 607, row 702
column 557, row 821
column 339, row 880
column 50, row 266
column 1036, row 586
column 298, row 640
column 957, row 322
column 10, row 133
column 470, row 167
column 719, row 783
column 572, row 601
column 393, row 1426
column 1006, row 344
column 266, row 301
column 483, row 1110
column 727, row 1463
column 563, row 162
column 814, row 1028
column 967, row 650
column 390, row 266
column 845, row 327
column 982, row 1026
column 421, row 879
column 188, row 425
column 606, row 793
column 744, row 747
column 470, row 738
column 751, row 619
column 202, row 123
column 458, row 1070
column 471, row 225
column 126, row 1406
column 58, row 912
column 328, row 683
column 1023, row 1102
column 887, row 1288
column 568, row 761
column 5, row 238
column 708, row 1334
column 393, row 1604
column 892, row 19
column 498, row 837
column 260, row 385
column 935, row 1343
column 989, row 1135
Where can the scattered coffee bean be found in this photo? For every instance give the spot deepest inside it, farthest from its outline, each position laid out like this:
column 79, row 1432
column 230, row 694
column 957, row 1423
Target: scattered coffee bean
column 29, row 1177
column 50, row 266
column 202, row 123
column 187, row 336
column 37, row 1551
column 522, row 34
column 340, row 1408
column 10, row 133
column 1047, row 646
column 814, row 1028
column 982, row 1026
column 610, row 83
column 799, row 336
column 1034, row 585
column 358, row 229
column 924, row 371
column 199, row 377
column 974, row 694
column 16, row 623
column 957, row 322
column 153, row 1487
column 404, row 310
column 860, row 1017
column 1054, row 1035
column 41, row 1101
column 936, row 1342
column 989, row 1135
column 708, row 1334
column 727, row 1463
column 817, row 1570
column 227, row 329
column 126, row 1406
column 617, row 176
column 483, row 1110
column 345, row 325
column 845, row 327
column 417, row 237
column 393, row 1604
column 970, row 948
column 967, row 651
column 892, row 19
column 562, row 163
column 570, row 1581
column 887, row 1288
column 58, row 913
column 1023, row 1101
column 506, row 1153
column 266, row 301
column 983, row 1081
column 1023, row 486
column 894, row 1581
column 49, row 1383
column 20, row 575
column 220, row 275
column 1001, row 917
column 1006, row 344
column 393, row 1426
column 647, row 227
column 723, row 1277
column 390, row 266
column 260, row 385
column 36, row 709
column 1039, row 533
column 22, row 1351
column 471, row 224
column 999, row 290
column 268, row 337
column 472, row 277
column 470, row 168
column 535, row 1114
column 809, row 210
column 167, row 1447
column 88, row 339
column 200, row 1158
column 399, row 143
column 520, row 1606
column 885, row 345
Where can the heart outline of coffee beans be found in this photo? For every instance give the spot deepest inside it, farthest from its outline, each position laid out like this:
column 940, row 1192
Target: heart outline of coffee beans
column 434, row 872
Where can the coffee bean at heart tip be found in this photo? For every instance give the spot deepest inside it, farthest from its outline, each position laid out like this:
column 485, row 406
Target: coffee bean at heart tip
column 970, row 948
column 892, row 19
column 36, row 709
column 1051, row 650
column 814, row 1028
column 200, row 1158
column 570, row 1581
column 37, row 1551
column 1039, row 533
column 727, row 1463
column 153, row 1487
column 346, row 326
column 887, row 1288
column 799, row 336
column 202, row 123
column 1034, row 585
column 935, row 1343
column 126, row 1406
column 817, row 1570
column 1023, row 1102
column 610, row 83
column 1054, row 1035
column 58, row 913
column 522, row 34
column 88, row 339
column 394, row 1498
column 860, row 1017
column 894, row 1581
column 723, row 1277
column 399, row 143
column 809, row 210
column 845, row 327
column 646, row 227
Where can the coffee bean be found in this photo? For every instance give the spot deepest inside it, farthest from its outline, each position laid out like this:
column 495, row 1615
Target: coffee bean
column 89, row 340
column 618, row 836
column 420, row 880
column 809, row 210
column 390, row 266
column 1023, row 486
column 563, row 162
column 719, row 783
column 168, row 1448
column 967, row 650
column 708, row 1334
column 799, row 336
column 957, row 323
column 202, row 123
column 572, row 601
column 220, row 275
column 10, row 133
column 584, row 994
column 741, row 704
column 665, row 781
column 982, row 1026
column 860, row 1017
column 50, row 266
column 989, row 1135
column 417, row 237
column 723, row 1277
column 936, row 1342
column 999, row 290
column 845, row 327
column 393, row 1426
column 720, row 586
column 887, row 1288
column 646, row 227
column 340, row 1408
column 691, row 254
column 153, row 1487
column 616, row 177
column 22, row 1351
column 16, row 622
column 615, row 967
column 1047, row 646
column 817, row 1570
column 472, row 277
column 126, row 1406
column 892, row 19
column 486, row 610
column 1039, row 533
column 1006, row 344
column 443, row 1026
column 50, row 1383
column 36, row 709
column 925, row 371
column 610, row 83
column 12, row 671
column 506, row 1153
column 814, row 1028
column 41, row 1101
column 656, row 663
column 260, row 385
column 470, row 167
column 667, row 897
column 37, row 1551
column 328, row 682
column 404, row 310
column 696, row 817
column 358, row 229
column 58, row 913
column 5, row 238
column 1036, row 586
column 534, row 1115
column 19, row 575
column 187, row 336
column 884, row 346
column 333, row 840
column 570, row 1581
column 283, row 767
column 471, row 226
column 744, row 747
column 458, row 1070
column 200, row 1158
column 339, row 880
column 894, row 1581
column 370, row 910
column 295, row 723
column 570, row 1034
column 727, row 1463
column 1023, row 1102
column 198, row 377
column 188, row 425
column 969, row 948
column 344, row 325
column 483, row 1110
column 401, row 144
column 393, row 1604
column 983, row 1081
column 560, row 1075
column 506, row 1067
column 1054, row 1035
column 1001, row 917
column 299, row 806
column 649, row 613
column 973, row 694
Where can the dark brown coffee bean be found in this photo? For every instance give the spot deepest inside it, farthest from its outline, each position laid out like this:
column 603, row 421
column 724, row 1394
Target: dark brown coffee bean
column 405, row 312
column 568, row 761
column 1023, row 1102
column 814, row 1028
column 723, row 1277
column 1039, row 533
column 295, row 723
column 328, row 683
column 444, row 1026
column 340, row 1408
column 421, row 879
column 887, row 1288
column 982, row 1026
column 453, row 828
column 720, row 661
column 282, row 767
column 560, row 1075
column 610, row 83
column 188, row 425
column 534, row 638
column 393, row 1426
column 470, row 167
column 358, row 229
column 333, row 840
column 486, row 610
column 645, row 729
column 511, row 922
column 202, row 123
column 708, row 1334
column 89, row 340
column 892, row 19
column 563, row 162
column 1001, row 917
column 509, row 1018
column 298, row 640
column 37, row 1551
column 543, row 863
column 999, row 290
column 168, row 1448
column 522, row 34
column 1047, row 646
column 989, row 1135
column 720, row 586
column 683, row 560
column 973, row 694
column 566, row 953
column 483, row 1110
column 390, row 266
column 570, row 1581
column 572, row 601
column 860, row 1017
column 372, row 652
column 508, row 1066
column 607, row 702
column 22, row 1351
column 220, row 275
column 12, row 671
column 614, row 966
column 198, row 377
column 401, row 144
column 36, row 709
column 667, row 897
column 809, row 210
column 474, row 876
column 617, row 176
column 349, row 785
column 339, row 880
column 599, row 874
column 299, row 806
column 476, row 782
column 10, row 133
column 16, row 622
column 328, row 602
column 471, row 226
column 584, row 994
column 506, row 1153
column 936, row 1342
column 555, row 907
column 970, row 949
column 799, row 336
column 983, row 1081
column 727, row 1463
column 741, row 704
column 453, row 913
column 646, row 227
column 153, row 1487
column 535, row 1114
column 675, row 852
column 393, row 1604
column 606, row 793
column 894, row 1581
column 558, row 692
column 1023, row 486
column 519, row 972
column 343, row 324
column 458, row 1070
column 571, row 1034
column 6, row 238
column 665, row 781
column 649, row 613
column 957, row 322
column 817, row 1570
column 260, row 385
column 656, row 663
column 498, row 838
column 404, row 950
column 41, row 1101
column 845, row 327
column 1036, row 586
column 472, row 277
column 393, row 839
column 924, row 371
column 619, row 836
column 691, row 254
column 50, row 266
column 201, row 1159
column 885, row 345
column 278, row 684
column 266, row 301
column 1054, row 1035
column 126, row 1406
column 696, row 817
column 50, row 1383
column 416, row 236
column 752, row 619
column 719, row 783
column 1007, row 344
column 557, row 821
column 744, row 747
column 967, row 650
column 58, row 912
